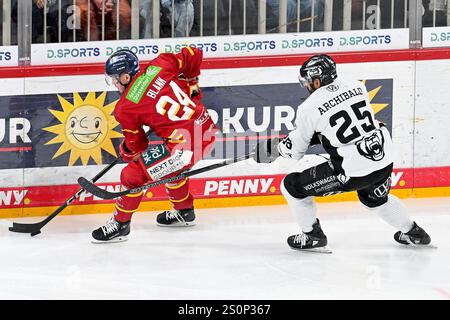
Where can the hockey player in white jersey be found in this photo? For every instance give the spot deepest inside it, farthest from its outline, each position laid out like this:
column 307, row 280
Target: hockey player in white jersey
column 338, row 115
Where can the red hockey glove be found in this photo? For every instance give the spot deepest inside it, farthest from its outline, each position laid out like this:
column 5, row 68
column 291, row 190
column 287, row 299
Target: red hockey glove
column 126, row 154
column 194, row 89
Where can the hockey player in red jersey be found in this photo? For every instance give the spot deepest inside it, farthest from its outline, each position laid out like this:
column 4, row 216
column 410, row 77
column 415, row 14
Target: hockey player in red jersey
column 163, row 95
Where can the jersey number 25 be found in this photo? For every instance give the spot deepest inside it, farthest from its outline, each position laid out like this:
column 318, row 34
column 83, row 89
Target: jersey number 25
column 364, row 116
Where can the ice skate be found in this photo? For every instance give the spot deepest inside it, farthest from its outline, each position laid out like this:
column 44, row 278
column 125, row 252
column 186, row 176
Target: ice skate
column 313, row 241
column 176, row 218
column 112, row 231
column 414, row 237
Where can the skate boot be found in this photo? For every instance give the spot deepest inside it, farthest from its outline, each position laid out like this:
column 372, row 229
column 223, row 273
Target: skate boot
column 415, row 236
column 112, row 231
column 176, row 218
column 314, row 240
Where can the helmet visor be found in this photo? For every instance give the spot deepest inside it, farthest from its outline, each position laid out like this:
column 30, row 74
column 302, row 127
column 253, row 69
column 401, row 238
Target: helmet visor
column 304, row 83
column 111, row 79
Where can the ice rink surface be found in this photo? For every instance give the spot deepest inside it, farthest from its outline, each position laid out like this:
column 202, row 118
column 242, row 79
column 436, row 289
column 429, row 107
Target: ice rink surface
column 232, row 253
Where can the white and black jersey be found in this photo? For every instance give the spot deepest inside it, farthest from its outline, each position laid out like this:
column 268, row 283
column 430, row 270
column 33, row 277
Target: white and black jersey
column 341, row 116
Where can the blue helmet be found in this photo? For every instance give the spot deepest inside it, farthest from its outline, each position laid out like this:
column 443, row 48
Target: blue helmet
column 121, row 61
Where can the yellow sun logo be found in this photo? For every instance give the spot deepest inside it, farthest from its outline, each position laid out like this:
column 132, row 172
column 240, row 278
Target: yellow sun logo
column 377, row 107
column 85, row 129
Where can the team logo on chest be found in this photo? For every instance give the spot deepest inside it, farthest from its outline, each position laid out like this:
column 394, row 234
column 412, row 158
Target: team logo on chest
column 332, row 88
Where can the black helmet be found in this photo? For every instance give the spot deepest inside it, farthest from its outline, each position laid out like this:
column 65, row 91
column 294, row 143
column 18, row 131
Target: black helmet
column 321, row 67
column 121, row 61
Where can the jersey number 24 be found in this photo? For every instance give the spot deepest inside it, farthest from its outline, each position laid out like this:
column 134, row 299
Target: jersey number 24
column 168, row 105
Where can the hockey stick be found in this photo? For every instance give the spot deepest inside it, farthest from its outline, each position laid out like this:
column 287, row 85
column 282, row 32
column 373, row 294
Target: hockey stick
column 101, row 193
column 35, row 228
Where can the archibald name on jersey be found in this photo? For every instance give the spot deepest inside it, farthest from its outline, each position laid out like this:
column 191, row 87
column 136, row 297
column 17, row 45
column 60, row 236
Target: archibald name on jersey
column 339, row 99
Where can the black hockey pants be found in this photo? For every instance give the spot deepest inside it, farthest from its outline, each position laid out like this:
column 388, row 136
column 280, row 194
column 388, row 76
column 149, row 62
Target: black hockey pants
column 321, row 180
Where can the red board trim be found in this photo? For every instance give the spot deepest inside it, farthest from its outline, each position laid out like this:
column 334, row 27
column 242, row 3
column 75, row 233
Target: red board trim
column 239, row 62
column 13, row 149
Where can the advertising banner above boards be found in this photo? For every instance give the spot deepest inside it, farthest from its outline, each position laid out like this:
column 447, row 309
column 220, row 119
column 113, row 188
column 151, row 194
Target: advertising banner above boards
column 9, row 56
column 225, row 46
column 436, row 37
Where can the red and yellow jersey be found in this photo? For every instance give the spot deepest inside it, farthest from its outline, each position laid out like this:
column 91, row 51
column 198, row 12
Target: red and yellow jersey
column 158, row 99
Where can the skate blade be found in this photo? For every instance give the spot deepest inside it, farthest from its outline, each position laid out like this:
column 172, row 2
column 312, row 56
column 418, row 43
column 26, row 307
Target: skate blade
column 115, row 240
column 177, row 225
column 325, row 249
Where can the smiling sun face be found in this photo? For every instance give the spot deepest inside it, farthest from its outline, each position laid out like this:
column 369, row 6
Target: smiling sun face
column 85, row 129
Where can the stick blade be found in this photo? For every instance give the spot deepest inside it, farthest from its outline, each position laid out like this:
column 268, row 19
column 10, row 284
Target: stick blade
column 31, row 228
column 96, row 191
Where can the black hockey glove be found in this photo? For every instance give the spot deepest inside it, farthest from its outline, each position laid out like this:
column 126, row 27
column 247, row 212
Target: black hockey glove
column 266, row 151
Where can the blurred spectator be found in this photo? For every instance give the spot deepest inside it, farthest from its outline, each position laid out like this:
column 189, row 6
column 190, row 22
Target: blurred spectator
column 441, row 13
column 237, row 17
column 52, row 20
column 387, row 18
column 230, row 19
column 364, row 14
column 51, row 14
column 183, row 16
column 181, row 12
column 371, row 13
column 111, row 20
column 146, row 19
column 209, row 14
column 195, row 31
column 307, row 16
column 273, row 14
